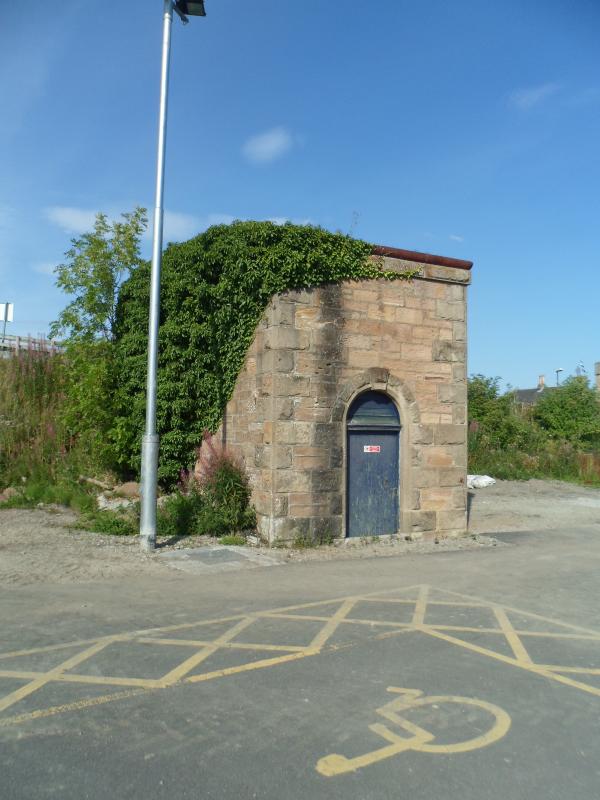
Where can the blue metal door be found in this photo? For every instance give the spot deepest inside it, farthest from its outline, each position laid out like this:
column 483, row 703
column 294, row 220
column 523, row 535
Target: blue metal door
column 373, row 465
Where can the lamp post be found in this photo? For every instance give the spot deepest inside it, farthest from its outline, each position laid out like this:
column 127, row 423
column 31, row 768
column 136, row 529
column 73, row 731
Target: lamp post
column 149, row 479
column 558, row 371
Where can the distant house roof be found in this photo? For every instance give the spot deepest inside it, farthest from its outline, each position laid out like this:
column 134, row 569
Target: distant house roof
column 529, row 397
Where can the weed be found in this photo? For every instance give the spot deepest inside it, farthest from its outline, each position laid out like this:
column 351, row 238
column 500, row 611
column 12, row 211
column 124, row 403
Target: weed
column 233, row 539
column 39, row 490
column 325, row 537
column 177, row 517
column 109, row 522
column 304, row 542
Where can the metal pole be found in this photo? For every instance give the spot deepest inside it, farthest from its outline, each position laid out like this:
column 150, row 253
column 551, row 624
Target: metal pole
column 150, row 438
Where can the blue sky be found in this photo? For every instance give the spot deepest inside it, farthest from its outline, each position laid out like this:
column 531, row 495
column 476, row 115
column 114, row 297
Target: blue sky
column 469, row 129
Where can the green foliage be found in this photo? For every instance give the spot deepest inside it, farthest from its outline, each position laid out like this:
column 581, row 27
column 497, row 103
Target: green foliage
column 225, row 492
column 482, row 395
column 177, row 516
column 33, row 441
column 109, row 522
column 40, row 489
column 216, row 504
column 82, row 410
column 57, row 411
column 546, row 440
column 96, row 266
column 570, row 412
column 215, row 289
column 55, row 415
column 233, row 540
column 304, row 542
column 89, row 408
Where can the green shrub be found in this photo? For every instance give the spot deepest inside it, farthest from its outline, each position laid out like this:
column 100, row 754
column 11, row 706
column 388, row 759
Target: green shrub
column 109, row 522
column 225, row 491
column 177, row 516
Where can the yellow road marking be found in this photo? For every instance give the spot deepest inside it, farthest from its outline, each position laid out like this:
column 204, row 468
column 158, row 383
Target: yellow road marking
column 186, row 666
column 76, row 678
column 47, row 648
column 582, row 636
column 17, row 673
column 224, row 645
column 527, row 665
column 331, row 622
column 520, row 652
column 539, row 634
column 295, row 617
column 74, row 706
column 574, row 670
column 420, row 740
column 330, row 627
column 346, row 621
column 266, row 662
column 37, row 683
column 420, row 606
column 490, row 604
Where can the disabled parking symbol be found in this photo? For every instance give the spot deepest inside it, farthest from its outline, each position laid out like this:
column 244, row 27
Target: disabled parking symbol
column 414, row 737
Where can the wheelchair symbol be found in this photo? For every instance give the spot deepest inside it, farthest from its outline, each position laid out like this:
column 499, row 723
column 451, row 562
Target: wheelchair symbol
column 418, row 738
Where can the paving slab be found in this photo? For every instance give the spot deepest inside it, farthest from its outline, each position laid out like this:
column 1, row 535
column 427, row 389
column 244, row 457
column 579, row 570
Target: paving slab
column 211, row 559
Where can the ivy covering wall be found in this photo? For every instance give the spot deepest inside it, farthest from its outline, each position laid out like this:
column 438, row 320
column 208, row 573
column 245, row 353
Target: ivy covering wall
column 215, row 288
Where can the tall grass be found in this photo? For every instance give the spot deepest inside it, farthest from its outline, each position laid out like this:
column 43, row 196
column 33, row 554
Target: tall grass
column 33, row 442
column 39, row 452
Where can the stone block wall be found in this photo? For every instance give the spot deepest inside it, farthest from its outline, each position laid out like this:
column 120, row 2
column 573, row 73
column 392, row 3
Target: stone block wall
column 314, row 351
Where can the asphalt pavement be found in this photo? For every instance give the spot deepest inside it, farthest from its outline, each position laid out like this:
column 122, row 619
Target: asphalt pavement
column 470, row 674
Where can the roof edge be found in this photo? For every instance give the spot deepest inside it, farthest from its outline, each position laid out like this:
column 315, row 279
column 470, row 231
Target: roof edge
column 422, row 258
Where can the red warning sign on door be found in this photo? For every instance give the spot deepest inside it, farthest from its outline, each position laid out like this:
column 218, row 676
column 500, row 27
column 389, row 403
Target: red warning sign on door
column 372, row 448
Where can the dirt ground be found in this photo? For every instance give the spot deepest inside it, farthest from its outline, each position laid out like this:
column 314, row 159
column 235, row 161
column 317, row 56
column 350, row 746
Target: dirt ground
column 38, row 546
column 532, row 505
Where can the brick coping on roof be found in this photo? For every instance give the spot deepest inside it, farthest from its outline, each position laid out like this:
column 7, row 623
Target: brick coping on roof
column 422, row 258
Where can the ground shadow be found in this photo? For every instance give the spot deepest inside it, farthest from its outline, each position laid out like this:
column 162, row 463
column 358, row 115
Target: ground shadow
column 470, row 496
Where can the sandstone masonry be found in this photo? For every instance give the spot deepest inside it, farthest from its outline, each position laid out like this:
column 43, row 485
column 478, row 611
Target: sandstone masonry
column 315, row 351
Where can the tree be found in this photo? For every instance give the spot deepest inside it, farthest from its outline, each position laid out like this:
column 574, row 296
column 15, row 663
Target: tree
column 482, row 392
column 96, row 266
column 570, row 411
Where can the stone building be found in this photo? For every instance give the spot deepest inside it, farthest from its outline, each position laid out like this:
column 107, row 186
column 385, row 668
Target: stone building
column 350, row 410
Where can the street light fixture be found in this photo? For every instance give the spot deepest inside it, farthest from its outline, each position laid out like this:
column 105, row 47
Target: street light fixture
column 191, row 9
column 149, row 476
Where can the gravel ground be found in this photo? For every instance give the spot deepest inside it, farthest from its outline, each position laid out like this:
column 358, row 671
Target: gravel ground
column 38, row 546
column 532, row 505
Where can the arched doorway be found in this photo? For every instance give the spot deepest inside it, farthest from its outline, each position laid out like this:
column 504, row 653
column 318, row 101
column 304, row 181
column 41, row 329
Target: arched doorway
column 372, row 458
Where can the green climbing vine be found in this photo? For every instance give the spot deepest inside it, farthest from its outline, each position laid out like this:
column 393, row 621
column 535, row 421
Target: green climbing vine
column 215, row 288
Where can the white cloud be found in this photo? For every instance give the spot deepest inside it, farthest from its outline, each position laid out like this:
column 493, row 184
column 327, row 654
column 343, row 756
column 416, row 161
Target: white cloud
column 296, row 221
column 268, row 146
column 44, row 267
column 456, row 238
column 217, row 219
column 71, row 220
column 177, row 226
column 524, row 99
